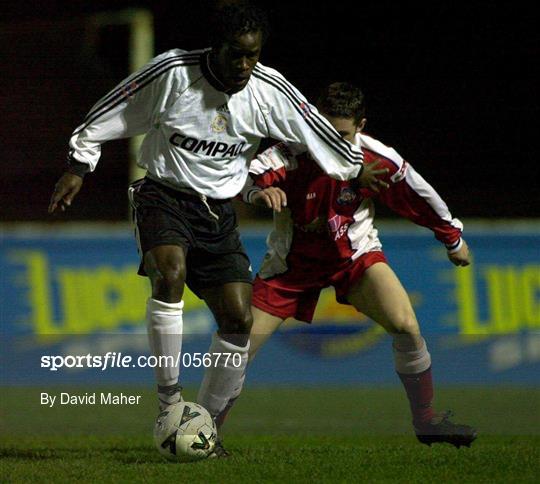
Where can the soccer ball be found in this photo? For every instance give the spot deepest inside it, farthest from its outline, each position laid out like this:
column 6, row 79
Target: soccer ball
column 185, row 432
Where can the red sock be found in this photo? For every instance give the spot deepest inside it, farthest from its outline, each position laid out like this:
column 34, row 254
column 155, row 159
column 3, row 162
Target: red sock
column 419, row 388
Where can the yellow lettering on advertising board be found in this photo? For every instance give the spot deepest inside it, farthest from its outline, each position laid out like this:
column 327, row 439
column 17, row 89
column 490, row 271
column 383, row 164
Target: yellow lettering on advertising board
column 100, row 298
column 511, row 295
column 37, row 288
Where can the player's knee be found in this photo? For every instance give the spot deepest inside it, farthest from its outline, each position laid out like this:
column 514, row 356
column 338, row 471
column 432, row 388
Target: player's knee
column 238, row 321
column 405, row 322
column 168, row 280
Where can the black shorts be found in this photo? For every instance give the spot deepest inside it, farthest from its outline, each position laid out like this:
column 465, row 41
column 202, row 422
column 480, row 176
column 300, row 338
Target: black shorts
column 214, row 252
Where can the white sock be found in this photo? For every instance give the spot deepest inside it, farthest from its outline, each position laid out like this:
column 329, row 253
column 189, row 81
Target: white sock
column 170, row 395
column 165, row 338
column 410, row 356
column 224, row 378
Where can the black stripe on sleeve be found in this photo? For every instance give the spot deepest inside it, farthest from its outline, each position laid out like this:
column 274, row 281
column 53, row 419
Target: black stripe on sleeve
column 121, row 90
column 121, row 98
column 326, row 133
column 338, row 148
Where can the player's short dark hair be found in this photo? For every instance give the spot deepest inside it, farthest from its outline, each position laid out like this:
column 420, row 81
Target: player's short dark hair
column 238, row 18
column 342, row 100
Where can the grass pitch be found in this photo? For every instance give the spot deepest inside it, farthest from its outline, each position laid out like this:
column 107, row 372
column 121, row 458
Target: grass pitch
column 275, row 435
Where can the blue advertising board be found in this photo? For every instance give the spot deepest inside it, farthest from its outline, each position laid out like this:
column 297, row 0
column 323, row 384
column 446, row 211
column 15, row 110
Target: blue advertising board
column 76, row 292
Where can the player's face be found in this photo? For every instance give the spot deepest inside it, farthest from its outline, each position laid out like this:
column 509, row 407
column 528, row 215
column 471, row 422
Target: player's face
column 236, row 59
column 346, row 127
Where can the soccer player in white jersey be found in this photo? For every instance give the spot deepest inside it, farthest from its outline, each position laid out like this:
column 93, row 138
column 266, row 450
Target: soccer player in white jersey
column 325, row 237
column 203, row 114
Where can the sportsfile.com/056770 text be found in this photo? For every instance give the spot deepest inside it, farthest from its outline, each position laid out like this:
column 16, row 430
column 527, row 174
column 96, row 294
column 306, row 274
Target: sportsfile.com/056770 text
column 116, row 360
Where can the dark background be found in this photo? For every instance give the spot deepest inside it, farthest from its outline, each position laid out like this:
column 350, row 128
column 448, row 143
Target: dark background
column 453, row 87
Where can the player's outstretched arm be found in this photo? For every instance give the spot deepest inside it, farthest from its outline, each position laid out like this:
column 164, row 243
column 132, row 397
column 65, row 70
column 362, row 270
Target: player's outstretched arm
column 292, row 119
column 65, row 191
column 461, row 257
column 271, row 197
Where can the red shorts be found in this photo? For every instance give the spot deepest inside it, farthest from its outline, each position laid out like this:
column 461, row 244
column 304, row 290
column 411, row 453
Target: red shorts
column 295, row 293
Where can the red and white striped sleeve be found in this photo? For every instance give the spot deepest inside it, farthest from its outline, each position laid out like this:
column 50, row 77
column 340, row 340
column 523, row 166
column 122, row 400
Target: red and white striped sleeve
column 411, row 196
column 270, row 168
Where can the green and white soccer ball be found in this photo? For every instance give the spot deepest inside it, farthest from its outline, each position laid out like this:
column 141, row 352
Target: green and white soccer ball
column 185, row 432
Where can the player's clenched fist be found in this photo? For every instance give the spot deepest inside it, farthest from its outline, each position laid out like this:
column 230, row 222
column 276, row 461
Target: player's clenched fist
column 64, row 191
column 271, row 197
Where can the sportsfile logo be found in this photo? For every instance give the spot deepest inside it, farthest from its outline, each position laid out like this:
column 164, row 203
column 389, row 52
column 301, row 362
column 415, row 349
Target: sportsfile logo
column 112, row 359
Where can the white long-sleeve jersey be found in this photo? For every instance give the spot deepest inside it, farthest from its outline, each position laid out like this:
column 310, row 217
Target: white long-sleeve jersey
column 329, row 222
column 197, row 135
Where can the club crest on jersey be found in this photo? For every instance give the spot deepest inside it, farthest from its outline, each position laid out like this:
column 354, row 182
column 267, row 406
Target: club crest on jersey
column 129, row 89
column 347, row 195
column 219, row 124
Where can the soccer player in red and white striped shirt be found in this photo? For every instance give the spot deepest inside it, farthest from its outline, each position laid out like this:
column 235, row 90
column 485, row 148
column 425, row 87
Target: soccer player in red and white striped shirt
column 326, row 237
